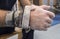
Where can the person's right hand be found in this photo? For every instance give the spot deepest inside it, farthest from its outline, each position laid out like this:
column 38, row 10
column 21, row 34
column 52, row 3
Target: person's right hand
column 41, row 19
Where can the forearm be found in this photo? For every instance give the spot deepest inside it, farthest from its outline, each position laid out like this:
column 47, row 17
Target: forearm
column 6, row 18
column 2, row 16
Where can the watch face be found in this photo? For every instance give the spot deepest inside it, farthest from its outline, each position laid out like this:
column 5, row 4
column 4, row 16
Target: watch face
column 7, row 4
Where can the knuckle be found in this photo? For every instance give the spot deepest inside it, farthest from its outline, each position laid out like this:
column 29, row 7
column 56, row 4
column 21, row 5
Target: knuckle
column 51, row 14
column 47, row 25
column 43, row 28
column 48, row 20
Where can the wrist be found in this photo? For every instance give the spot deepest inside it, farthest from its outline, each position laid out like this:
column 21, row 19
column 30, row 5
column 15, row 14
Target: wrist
column 26, row 16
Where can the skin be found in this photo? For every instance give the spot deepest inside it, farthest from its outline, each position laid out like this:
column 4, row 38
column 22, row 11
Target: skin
column 41, row 18
column 2, row 16
column 25, row 2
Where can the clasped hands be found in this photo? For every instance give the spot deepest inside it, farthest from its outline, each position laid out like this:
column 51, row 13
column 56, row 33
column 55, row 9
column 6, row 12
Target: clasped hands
column 41, row 18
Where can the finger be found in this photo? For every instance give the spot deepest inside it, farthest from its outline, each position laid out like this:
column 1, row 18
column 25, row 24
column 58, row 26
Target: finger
column 50, row 14
column 48, row 20
column 43, row 29
column 47, row 25
column 45, row 7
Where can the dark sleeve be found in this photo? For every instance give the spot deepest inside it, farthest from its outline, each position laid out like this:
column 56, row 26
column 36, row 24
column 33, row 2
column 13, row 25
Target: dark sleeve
column 7, row 4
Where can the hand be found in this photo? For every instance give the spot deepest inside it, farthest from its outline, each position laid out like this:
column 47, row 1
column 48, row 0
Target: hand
column 41, row 18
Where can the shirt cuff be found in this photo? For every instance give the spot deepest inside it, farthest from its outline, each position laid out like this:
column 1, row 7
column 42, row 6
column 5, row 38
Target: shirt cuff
column 26, row 17
column 13, row 17
column 8, row 19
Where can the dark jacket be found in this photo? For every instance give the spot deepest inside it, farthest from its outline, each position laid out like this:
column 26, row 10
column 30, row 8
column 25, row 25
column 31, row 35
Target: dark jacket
column 6, row 5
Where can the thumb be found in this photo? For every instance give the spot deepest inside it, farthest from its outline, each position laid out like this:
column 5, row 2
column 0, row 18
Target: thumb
column 45, row 7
